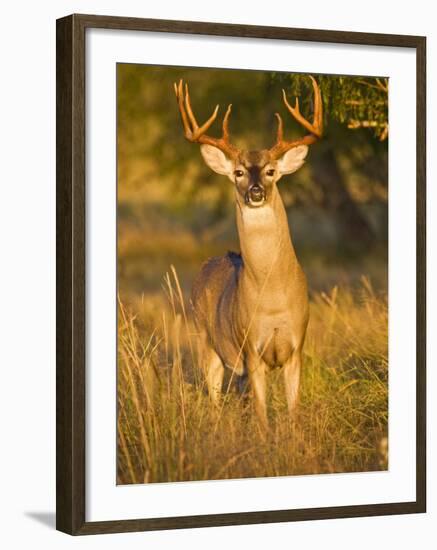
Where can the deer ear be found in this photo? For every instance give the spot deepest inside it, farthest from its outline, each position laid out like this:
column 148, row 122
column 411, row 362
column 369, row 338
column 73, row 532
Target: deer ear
column 292, row 160
column 216, row 160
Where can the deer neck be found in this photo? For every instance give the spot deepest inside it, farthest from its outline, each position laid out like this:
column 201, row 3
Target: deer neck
column 268, row 255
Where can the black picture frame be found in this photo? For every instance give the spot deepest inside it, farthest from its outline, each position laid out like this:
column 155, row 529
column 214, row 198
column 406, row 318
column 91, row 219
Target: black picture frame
column 71, row 283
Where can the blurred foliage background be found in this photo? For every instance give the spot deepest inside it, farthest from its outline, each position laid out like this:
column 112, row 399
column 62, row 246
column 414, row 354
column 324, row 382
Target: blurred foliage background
column 173, row 210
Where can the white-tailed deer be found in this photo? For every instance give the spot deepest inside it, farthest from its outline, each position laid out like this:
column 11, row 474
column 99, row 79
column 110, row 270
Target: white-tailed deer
column 252, row 309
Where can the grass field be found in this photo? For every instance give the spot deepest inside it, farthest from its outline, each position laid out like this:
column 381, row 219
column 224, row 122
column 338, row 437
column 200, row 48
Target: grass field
column 167, row 430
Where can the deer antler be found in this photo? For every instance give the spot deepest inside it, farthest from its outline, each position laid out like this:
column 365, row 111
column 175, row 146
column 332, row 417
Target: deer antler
column 315, row 128
column 197, row 134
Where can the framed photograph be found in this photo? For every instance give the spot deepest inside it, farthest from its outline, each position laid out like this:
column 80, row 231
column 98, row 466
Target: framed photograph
column 240, row 274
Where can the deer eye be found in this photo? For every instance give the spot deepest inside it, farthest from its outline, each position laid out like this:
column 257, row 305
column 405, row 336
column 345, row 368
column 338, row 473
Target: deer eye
column 270, row 172
column 238, row 173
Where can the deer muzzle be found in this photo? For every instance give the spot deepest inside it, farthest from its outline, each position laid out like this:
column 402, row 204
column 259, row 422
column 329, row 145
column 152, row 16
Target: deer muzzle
column 255, row 195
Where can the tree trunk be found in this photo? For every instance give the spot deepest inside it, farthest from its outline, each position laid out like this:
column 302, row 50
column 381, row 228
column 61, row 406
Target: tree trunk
column 354, row 232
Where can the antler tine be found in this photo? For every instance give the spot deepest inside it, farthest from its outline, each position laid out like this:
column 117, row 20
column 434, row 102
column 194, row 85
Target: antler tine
column 318, row 107
column 315, row 128
column 280, row 131
column 225, row 125
column 180, row 99
column 197, row 134
column 189, row 111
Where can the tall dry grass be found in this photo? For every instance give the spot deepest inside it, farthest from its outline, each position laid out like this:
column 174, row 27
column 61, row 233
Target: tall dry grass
column 167, row 430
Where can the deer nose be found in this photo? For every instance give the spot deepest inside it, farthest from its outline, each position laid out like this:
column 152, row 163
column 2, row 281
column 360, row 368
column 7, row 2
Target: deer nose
column 256, row 192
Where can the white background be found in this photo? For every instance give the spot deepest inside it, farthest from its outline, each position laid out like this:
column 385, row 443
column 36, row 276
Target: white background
column 27, row 218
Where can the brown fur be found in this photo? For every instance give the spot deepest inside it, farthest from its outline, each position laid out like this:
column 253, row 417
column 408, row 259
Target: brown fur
column 252, row 309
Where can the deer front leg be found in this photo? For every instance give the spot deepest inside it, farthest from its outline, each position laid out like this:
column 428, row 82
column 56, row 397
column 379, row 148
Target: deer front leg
column 211, row 366
column 257, row 378
column 214, row 373
column 291, row 380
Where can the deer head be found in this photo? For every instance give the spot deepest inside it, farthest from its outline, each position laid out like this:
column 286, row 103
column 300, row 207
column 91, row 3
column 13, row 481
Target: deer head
column 254, row 173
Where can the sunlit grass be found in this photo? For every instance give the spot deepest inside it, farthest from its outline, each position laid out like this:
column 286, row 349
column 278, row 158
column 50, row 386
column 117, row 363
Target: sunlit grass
column 167, row 430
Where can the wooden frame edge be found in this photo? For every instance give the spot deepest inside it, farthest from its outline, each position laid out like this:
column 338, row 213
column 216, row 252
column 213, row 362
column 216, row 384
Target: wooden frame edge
column 70, row 275
column 421, row 400
column 246, row 518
